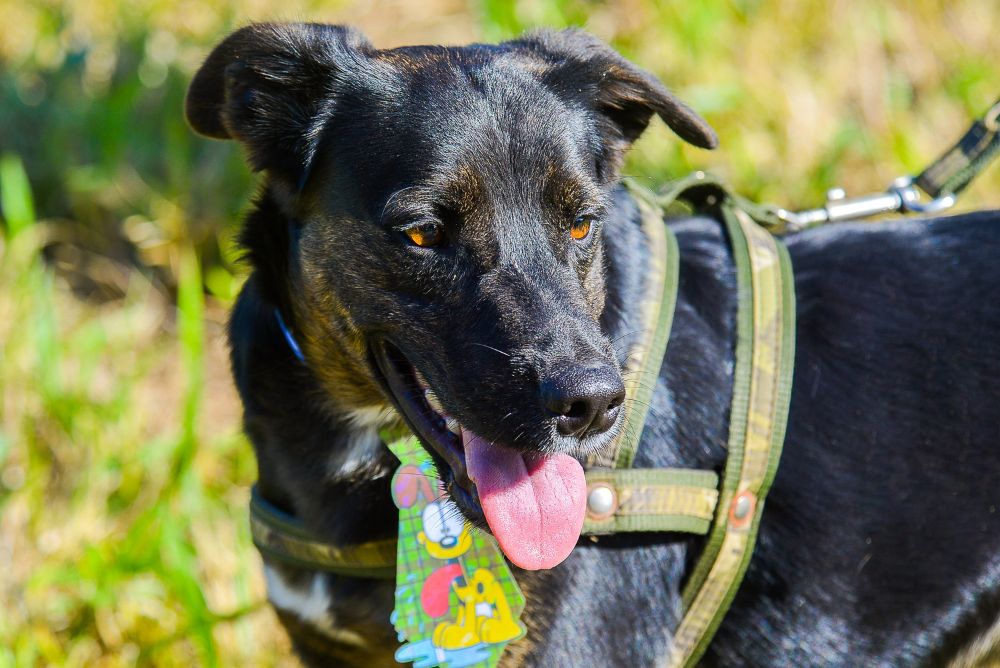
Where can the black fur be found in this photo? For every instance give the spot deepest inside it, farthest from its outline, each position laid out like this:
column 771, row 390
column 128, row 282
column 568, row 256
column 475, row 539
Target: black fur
column 879, row 543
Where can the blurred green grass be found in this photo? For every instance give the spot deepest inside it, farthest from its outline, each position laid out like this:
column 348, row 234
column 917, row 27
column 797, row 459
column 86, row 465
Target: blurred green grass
column 123, row 475
column 117, row 525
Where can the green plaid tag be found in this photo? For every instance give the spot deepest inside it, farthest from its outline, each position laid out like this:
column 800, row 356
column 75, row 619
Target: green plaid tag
column 457, row 603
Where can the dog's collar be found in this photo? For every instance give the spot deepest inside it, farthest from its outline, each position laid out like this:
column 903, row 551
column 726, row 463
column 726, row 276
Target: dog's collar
column 289, row 337
column 283, row 537
column 623, row 499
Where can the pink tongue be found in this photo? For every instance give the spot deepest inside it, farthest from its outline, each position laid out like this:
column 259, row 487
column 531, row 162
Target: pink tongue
column 533, row 503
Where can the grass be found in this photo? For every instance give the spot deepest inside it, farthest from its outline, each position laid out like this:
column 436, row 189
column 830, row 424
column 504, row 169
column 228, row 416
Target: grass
column 124, row 532
column 123, row 473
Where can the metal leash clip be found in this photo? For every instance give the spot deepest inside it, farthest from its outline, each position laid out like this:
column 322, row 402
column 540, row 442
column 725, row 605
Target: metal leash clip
column 943, row 180
column 901, row 197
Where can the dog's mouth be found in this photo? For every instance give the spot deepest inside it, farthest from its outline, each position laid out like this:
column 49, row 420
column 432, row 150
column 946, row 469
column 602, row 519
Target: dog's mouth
column 533, row 503
column 423, row 412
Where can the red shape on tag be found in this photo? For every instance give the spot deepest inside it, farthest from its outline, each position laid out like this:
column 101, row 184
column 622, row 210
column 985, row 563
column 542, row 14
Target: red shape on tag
column 434, row 595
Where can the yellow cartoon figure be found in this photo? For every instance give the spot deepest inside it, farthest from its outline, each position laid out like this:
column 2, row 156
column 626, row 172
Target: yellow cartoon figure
column 484, row 616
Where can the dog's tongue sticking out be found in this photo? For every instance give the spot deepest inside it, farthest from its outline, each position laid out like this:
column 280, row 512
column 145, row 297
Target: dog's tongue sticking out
column 533, row 503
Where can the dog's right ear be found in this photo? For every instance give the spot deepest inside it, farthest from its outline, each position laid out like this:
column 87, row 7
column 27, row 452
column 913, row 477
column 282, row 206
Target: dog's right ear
column 270, row 87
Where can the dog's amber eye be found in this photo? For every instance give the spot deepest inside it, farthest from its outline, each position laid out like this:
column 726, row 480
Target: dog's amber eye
column 580, row 228
column 425, row 235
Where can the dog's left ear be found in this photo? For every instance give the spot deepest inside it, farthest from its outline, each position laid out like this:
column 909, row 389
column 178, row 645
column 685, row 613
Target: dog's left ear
column 625, row 95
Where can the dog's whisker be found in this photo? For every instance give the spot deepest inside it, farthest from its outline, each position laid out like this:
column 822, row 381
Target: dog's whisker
column 639, row 380
column 652, row 411
column 634, row 401
column 622, row 336
column 391, row 198
column 496, row 350
column 645, row 386
column 641, row 370
column 637, row 176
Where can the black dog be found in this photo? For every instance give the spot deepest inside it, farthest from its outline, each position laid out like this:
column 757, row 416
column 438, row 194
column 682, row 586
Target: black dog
column 456, row 211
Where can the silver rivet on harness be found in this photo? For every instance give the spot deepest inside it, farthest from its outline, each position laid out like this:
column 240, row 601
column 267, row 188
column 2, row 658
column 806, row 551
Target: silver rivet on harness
column 601, row 501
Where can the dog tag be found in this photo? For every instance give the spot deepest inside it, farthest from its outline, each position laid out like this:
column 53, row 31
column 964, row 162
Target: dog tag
column 457, row 603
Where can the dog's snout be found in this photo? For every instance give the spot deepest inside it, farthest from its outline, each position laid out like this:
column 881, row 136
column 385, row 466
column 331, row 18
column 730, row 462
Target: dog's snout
column 585, row 401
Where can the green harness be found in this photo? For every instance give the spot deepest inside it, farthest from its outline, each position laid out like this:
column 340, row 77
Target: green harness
column 625, row 499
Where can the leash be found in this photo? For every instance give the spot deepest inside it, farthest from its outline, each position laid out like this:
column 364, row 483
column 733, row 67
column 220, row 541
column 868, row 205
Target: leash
column 943, row 180
column 623, row 499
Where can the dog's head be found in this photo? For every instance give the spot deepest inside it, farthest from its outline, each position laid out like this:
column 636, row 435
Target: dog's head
column 445, row 251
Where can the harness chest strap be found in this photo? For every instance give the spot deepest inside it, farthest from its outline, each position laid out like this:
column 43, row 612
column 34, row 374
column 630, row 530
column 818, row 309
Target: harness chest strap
column 620, row 498
column 645, row 355
column 641, row 500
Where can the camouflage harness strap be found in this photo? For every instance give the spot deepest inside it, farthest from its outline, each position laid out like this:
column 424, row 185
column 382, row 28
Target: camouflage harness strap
column 762, row 388
column 282, row 537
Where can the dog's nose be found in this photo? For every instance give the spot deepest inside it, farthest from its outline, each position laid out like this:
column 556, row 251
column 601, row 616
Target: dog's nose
column 585, row 401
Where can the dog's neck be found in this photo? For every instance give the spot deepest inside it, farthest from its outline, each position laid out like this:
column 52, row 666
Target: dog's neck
column 310, row 463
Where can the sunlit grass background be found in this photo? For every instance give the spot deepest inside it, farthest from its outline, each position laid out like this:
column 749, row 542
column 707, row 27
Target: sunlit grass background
column 123, row 474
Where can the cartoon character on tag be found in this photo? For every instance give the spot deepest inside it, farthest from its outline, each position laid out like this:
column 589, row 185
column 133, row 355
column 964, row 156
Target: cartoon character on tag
column 445, row 535
column 456, row 600
column 484, row 615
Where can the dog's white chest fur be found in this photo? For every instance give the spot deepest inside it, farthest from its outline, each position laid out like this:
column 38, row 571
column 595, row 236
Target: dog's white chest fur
column 311, row 603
